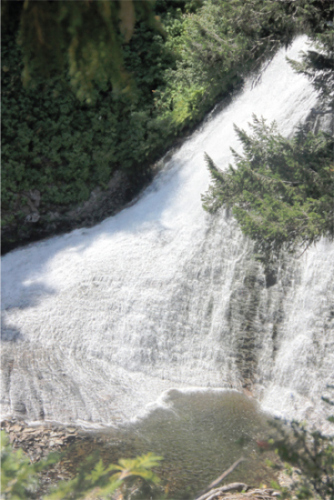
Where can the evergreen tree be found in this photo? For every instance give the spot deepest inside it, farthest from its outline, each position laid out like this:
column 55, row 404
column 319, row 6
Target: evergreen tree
column 83, row 39
column 280, row 190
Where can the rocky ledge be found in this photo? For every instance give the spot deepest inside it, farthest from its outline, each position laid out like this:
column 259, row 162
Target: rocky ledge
column 33, row 219
column 38, row 441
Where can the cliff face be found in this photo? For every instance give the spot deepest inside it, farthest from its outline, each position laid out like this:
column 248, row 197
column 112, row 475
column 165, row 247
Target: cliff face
column 43, row 220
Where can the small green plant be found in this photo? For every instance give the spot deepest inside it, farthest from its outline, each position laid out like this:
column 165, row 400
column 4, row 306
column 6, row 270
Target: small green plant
column 140, row 466
column 20, row 477
column 308, row 457
column 101, row 482
column 309, row 460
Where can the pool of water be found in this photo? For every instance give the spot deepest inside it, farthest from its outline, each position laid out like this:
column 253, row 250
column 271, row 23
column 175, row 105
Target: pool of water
column 200, row 434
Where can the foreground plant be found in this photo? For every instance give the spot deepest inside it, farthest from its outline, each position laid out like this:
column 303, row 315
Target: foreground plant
column 309, row 460
column 308, row 457
column 101, row 483
column 20, row 477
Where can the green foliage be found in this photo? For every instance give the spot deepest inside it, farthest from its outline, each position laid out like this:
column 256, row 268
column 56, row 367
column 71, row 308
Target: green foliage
column 51, row 142
column 311, row 453
column 217, row 47
column 20, row 480
column 56, row 144
column 96, row 484
column 101, row 482
column 318, row 64
column 308, row 457
column 140, row 466
column 64, row 148
column 315, row 18
column 83, row 39
column 282, row 189
column 19, row 477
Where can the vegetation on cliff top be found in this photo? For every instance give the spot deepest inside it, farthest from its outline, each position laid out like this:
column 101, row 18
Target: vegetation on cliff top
column 160, row 85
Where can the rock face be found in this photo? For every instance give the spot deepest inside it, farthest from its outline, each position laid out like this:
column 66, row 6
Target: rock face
column 39, row 220
column 39, row 441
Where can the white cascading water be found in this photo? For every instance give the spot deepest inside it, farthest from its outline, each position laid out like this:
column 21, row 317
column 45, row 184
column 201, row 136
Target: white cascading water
column 98, row 323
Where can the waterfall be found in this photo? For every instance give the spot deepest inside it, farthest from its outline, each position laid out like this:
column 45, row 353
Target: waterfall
column 100, row 322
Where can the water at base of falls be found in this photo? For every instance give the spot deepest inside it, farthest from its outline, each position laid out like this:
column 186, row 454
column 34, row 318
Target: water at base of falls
column 98, row 323
column 199, row 434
